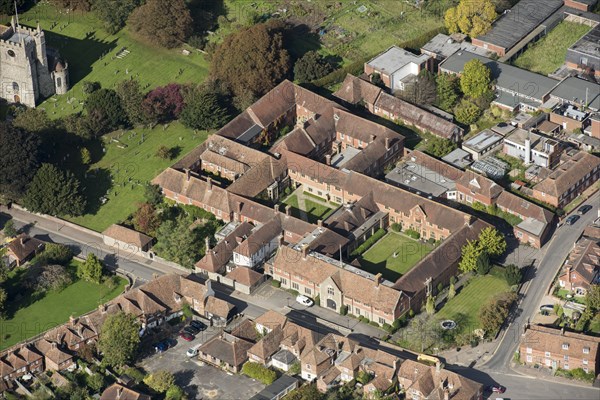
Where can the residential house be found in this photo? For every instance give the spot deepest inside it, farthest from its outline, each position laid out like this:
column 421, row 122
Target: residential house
column 117, row 391
column 483, row 143
column 397, row 67
column 22, row 249
column 214, row 261
column 244, row 279
column 225, row 351
column 126, row 239
column 23, row 360
column 474, row 188
column 582, row 267
column 532, row 148
column 574, row 175
column 260, row 244
column 421, row 382
column 56, row 357
column 554, row 348
column 219, row 311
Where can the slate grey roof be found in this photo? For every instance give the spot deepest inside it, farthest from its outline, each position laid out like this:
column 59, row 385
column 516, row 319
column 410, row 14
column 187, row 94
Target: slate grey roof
column 395, row 58
column 523, row 18
column 575, row 90
column 274, row 390
column 508, row 77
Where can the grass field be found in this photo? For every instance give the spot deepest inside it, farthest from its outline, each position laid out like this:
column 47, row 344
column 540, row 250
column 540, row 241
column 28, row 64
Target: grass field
column 549, row 53
column 91, row 54
column 464, row 308
column 31, row 316
column 313, row 210
column 120, row 173
column 380, row 257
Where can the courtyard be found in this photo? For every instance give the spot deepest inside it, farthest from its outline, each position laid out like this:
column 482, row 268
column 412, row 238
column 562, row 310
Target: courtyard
column 308, row 207
column 394, row 255
column 30, row 314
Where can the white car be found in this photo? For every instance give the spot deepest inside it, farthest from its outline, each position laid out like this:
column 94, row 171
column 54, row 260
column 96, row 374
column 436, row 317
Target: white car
column 305, row 301
column 192, row 352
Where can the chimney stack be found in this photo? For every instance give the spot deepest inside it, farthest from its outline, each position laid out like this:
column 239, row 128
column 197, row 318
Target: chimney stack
column 22, row 240
column 371, row 138
column 320, row 223
column 328, row 159
column 304, row 251
column 276, row 208
column 387, row 143
column 72, row 320
column 187, row 174
column 446, row 394
column 569, row 274
column 378, row 279
column 209, row 181
column 281, row 239
column 119, row 392
column 207, row 242
column 288, row 210
column 468, row 219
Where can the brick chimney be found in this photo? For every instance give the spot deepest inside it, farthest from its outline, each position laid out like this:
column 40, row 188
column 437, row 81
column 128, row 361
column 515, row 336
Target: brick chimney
column 207, row 243
column 378, row 279
column 320, row 223
column 328, row 159
column 102, row 308
column 276, row 208
column 22, row 240
column 468, row 219
column 371, row 138
column 119, row 392
column 281, row 239
column 387, row 143
column 288, row 210
column 187, row 174
column 72, row 320
column 569, row 274
column 209, row 181
column 304, row 251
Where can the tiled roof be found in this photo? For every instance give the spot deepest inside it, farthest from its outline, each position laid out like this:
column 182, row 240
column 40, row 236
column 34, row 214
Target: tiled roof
column 480, row 184
column 568, row 174
column 120, row 392
column 216, row 258
column 260, row 237
column 245, row 276
column 23, row 246
column 269, row 344
column 584, row 260
column 543, row 338
column 127, row 235
column 227, row 348
column 354, row 90
column 218, row 307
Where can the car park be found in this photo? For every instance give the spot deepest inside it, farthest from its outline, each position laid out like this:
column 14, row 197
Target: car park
column 583, row 209
column 186, row 336
column 164, row 345
column 198, row 325
column 191, row 330
column 305, row 301
column 572, row 219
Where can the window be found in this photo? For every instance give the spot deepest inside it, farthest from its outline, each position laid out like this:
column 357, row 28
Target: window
column 566, row 358
column 330, row 291
column 308, row 367
column 381, row 321
column 529, row 350
column 283, row 281
column 294, row 286
column 566, row 366
column 307, row 291
column 341, row 136
column 547, row 354
column 585, row 361
column 586, row 350
column 565, row 346
column 529, row 359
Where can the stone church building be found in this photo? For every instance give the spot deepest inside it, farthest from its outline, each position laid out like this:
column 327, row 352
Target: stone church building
column 28, row 70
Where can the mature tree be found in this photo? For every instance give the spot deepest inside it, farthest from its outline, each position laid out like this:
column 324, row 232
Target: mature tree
column 513, row 274
column 252, row 60
column 592, row 298
column 130, row 93
column 476, row 79
column 119, row 339
column 177, row 242
column 470, row 253
column 95, row 381
column 85, row 155
column 19, row 151
column 7, row 7
column 467, row 112
column 175, row 393
column 164, row 103
column 483, row 262
column 422, row 91
column 451, row 291
column 160, row 381
column 167, row 23
column 54, row 192
column 80, row 125
column 3, row 297
column 311, row 66
column 495, row 311
column 203, row 110
column 49, row 277
column 34, row 120
column 80, row 5
column 153, row 194
column 471, row 17
column 492, row 242
column 145, row 219
column 439, row 147
column 305, row 392
column 114, row 14
column 105, row 112
column 447, row 91
column 9, row 229
column 91, row 269
column 55, row 253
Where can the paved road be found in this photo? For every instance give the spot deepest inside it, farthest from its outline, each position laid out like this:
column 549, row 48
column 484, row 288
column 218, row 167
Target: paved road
column 538, row 281
column 495, row 370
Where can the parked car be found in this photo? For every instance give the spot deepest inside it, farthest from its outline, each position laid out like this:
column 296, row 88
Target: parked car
column 192, row 352
column 198, row 325
column 163, row 346
column 583, row 209
column 186, row 336
column 191, row 330
column 572, row 219
column 498, row 389
column 305, row 301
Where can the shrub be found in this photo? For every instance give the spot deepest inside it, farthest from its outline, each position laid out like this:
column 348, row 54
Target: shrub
column 259, row 372
column 344, row 310
column 368, row 243
column 55, row 253
column 513, row 274
column 388, row 328
column 363, row 377
column 275, row 283
column 373, row 323
column 90, row 87
column 363, row 319
column 396, row 227
column 576, row 373
column 453, row 279
column 412, row 233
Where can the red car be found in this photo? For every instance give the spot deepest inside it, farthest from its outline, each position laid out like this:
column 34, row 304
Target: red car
column 186, row 336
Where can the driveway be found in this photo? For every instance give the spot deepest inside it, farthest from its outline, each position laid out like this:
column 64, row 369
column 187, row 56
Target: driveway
column 201, row 381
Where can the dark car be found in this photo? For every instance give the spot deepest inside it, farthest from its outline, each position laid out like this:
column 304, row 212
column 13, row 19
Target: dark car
column 583, row 209
column 198, row 325
column 163, row 346
column 572, row 219
column 191, row 330
column 186, row 336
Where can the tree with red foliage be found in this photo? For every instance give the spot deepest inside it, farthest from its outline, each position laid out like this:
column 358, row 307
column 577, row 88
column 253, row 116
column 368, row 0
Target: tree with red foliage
column 145, row 219
column 164, row 103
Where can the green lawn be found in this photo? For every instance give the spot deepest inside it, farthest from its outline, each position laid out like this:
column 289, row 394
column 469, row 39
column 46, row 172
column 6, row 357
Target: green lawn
column 380, row 257
column 30, row 316
column 121, row 173
column 549, row 53
column 464, row 308
column 314, row 211
column 91, row 54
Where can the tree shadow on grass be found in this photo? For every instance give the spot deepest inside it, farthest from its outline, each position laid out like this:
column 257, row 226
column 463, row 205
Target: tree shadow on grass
column 300, row 39
column 95, row 184
column 379, row 267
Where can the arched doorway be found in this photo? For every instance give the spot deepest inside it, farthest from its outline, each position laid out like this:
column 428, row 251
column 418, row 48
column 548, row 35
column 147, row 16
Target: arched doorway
column 331, row 304
column 17, row 98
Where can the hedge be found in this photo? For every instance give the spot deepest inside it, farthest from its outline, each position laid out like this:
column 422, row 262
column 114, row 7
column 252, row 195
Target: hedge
column 412, row 233
column 343, row 310
column 259, row 372
column 275, row 283
column 368, row 243
column 396, row 227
